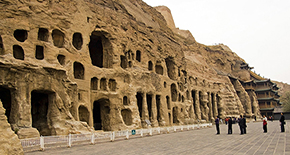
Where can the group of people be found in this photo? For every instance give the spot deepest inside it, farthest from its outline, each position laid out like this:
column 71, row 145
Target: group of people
column 281, row 120
column 243, row 126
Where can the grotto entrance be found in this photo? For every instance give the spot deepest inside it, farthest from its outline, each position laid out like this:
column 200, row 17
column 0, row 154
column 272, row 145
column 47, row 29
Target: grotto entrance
column 40, row 101
column 5, row 97
column 101, row 111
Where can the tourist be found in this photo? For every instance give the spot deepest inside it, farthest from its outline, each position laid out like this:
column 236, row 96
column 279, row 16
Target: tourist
column 230, row 122
column 244, row 125
column 241, row 124
column 282, row 122
column 217, row 124
column 226, row 120
column 265, row 123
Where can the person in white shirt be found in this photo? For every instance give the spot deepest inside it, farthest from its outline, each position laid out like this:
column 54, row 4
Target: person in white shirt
column 265, row 123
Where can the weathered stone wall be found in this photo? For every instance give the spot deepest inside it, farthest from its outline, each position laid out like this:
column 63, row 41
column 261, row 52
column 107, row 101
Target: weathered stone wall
column 9, row 142
column 73, row 66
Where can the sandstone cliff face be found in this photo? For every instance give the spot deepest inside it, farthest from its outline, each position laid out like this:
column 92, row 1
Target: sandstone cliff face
column 74, row 66
column 9, row 143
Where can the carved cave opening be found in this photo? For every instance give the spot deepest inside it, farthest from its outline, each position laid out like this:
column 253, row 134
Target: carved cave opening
column 149, row 104
column 193, row 99
column 130, row 64
column 39, row 110
column 150, row 66
column 18, row 52
column 103, row 84
column 125, row 100
column 1, row 46
column 39, row 52
column 5, row 97
column 124, row 61
column 79, row 71
column 182, row 98
column 100, row 50
column 169, row 119
column 58, row 38
column 20, row 35
column 164, row 84
column 170, row 65
column 101, row 112
column 61, row 59
column 127, row 116
column 175, row 115
column 43, row 34
column 173, row 92
column 138, row 55
column 77, row 40
column 159, row 69
column 158, row 104
column 168, row 102
column 139, row 103
column 94, row 83
column 84, row 114
column 217, row 101
column 112, row 84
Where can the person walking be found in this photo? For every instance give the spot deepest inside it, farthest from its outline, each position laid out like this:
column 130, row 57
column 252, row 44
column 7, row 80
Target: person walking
column 282, row 122
column 265, row 123
column 230, row 122
column 241, row 124
column 217, row 124
column 244, row 125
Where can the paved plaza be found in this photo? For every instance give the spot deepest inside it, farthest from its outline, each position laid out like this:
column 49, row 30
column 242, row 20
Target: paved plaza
column 197, row 142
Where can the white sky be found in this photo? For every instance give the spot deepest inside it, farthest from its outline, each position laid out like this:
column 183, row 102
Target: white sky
column 257, row 30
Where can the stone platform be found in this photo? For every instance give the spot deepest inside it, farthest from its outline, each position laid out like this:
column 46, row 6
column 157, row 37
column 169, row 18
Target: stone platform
column 202, row 141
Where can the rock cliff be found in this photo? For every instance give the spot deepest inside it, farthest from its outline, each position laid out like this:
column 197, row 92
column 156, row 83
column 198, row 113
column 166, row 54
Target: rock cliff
column 75, row 66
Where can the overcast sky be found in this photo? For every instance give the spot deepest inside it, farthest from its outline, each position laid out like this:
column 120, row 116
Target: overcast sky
column 257, row 30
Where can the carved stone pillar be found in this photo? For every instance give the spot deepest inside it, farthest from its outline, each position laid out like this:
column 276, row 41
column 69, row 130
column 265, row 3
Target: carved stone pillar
column 144, row 115
column 214, row 106
column 197, row 106
column 210, row 114
column 153, row 118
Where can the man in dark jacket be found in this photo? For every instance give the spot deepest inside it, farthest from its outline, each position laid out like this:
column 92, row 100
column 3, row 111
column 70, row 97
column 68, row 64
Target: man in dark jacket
column 244, row 125
column 230, row 122
column 241, row 124
column 217, row 124
column 282, row 119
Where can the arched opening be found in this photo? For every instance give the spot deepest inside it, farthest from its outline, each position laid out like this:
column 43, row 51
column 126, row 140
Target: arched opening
column 169, row 119
column 124, row 62
column 101, row 112
column 43, row 34
column 130, row 64
column 18, row 52
column 182, row 99
column 159, row 69
column 127, row 116
column 5, row 97
column 58, row 38
column 173, row 92
column 170, row 65
column 77, row 40
column 179, row 97
column 164, row 84
column 158, row 105
column 112, row 84
column 1, row 46
column 39, row 52
column 100, row 50
column 61, row 59
column 84, row 114
column 175, row 114
column 79, row 70
column 125, row 100
column 103, row 84
column 40, row 101
column 138, row 55
column 20, row 35
column 168, row 102
column 149, row 104
column 139, row 103
column 94, row 83
column 150, row 66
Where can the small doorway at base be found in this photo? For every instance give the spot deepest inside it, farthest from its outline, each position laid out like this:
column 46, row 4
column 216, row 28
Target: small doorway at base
column 101, row 114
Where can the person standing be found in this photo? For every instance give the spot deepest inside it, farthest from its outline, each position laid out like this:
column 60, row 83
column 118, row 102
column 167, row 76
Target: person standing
column 282, row 119
column 244, row 125
column 217, row 124
column 265, row 123
column 230, row 122
column 241, row 124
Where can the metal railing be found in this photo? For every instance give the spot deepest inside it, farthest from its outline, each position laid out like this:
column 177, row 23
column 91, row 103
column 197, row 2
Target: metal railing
column 40, row 143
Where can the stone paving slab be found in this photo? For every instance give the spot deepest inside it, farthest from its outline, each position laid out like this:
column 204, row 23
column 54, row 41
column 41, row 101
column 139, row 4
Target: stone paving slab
column 197, row 142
